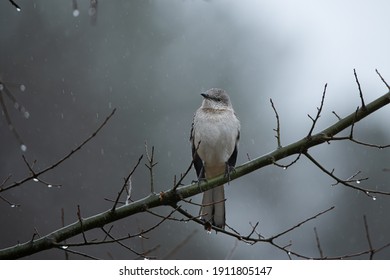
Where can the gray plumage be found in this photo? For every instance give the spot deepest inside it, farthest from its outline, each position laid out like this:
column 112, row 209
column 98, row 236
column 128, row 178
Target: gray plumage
column 214, row 137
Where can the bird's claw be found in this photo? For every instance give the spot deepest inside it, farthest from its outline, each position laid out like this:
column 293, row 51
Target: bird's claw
column 229, row 170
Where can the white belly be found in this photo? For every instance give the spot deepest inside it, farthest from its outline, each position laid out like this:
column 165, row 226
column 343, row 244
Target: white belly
column 217, row 136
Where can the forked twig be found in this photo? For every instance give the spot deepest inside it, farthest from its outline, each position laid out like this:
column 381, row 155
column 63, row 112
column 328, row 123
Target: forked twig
column 319, row 110
column 67, row 156
column 125, row 183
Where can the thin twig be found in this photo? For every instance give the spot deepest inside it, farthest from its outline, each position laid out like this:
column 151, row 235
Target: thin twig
column 67, row 156
column 383, row 80
column 319, row 110
column 372, row 251
column 285, row 166
column 360, row 90
column 35, row 177
column 301, row 223
column 277, row 130
column 254, row 227
column 15, row 5
column 63, row 224
column 9, row 202
column 318, row 243
column 367, row 192
column 7, row 117
column 126, row 183
column 150, row 165
column 122, row 244
column 76, row 253
column 81, row 223
column 337, row 116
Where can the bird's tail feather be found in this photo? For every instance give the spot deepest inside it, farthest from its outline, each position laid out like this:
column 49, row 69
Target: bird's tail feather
column 213, row 206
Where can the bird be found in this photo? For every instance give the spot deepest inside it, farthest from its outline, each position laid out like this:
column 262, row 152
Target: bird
column 214, row 137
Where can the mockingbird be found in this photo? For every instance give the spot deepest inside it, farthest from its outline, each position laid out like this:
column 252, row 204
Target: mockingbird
column 214, row 137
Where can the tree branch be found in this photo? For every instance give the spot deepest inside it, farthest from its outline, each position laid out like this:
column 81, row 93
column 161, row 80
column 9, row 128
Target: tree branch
column 172, row 196
column 35, row 175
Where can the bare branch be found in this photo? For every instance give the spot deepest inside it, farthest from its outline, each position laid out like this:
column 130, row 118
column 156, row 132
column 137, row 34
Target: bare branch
column 352, row 139
column 301, row 223
column 72, row 152
column 319, row 110
column 67, row 250
column 318, row 243
column 63, row 224
column 172, row 197
column 35, row 177
column 81, row 223
column 277, row 130
column 346, row 183
column 360, row 89
column 150, row 165
column 337, row 116
column 182, row 176
column 122, row 244
column 15, row 5
column 3, row 88
column 285, row 166
column 383, row 80
column 9, row 202
column 125, row 184
column 372, row 251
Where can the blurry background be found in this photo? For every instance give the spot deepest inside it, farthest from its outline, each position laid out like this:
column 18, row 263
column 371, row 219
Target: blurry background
column 151, row 60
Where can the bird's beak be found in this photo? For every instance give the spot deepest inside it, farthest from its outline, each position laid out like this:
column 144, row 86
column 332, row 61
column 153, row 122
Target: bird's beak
column 205, row 95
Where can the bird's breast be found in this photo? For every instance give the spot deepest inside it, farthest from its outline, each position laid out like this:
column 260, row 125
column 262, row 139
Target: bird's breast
column 217, row 135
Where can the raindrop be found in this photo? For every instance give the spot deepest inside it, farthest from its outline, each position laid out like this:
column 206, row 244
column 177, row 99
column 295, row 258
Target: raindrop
column 76, row 12
column 14, row 205
column 284, row 167
column 374, row 198
column 65, row 247
column 35, row 180
column 289, row 253
column 22, row 87
column 102, row 151
column 16, row 105
column 26, row 114
column 49, row 185
column 23, row 147
column 357, row 181
column 18, row 9
column 109, row 105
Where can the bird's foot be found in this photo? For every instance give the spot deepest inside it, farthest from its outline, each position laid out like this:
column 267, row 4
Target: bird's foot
column 229, row 169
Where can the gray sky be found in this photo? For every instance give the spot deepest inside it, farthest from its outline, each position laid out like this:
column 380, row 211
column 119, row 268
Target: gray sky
column 151, row 60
